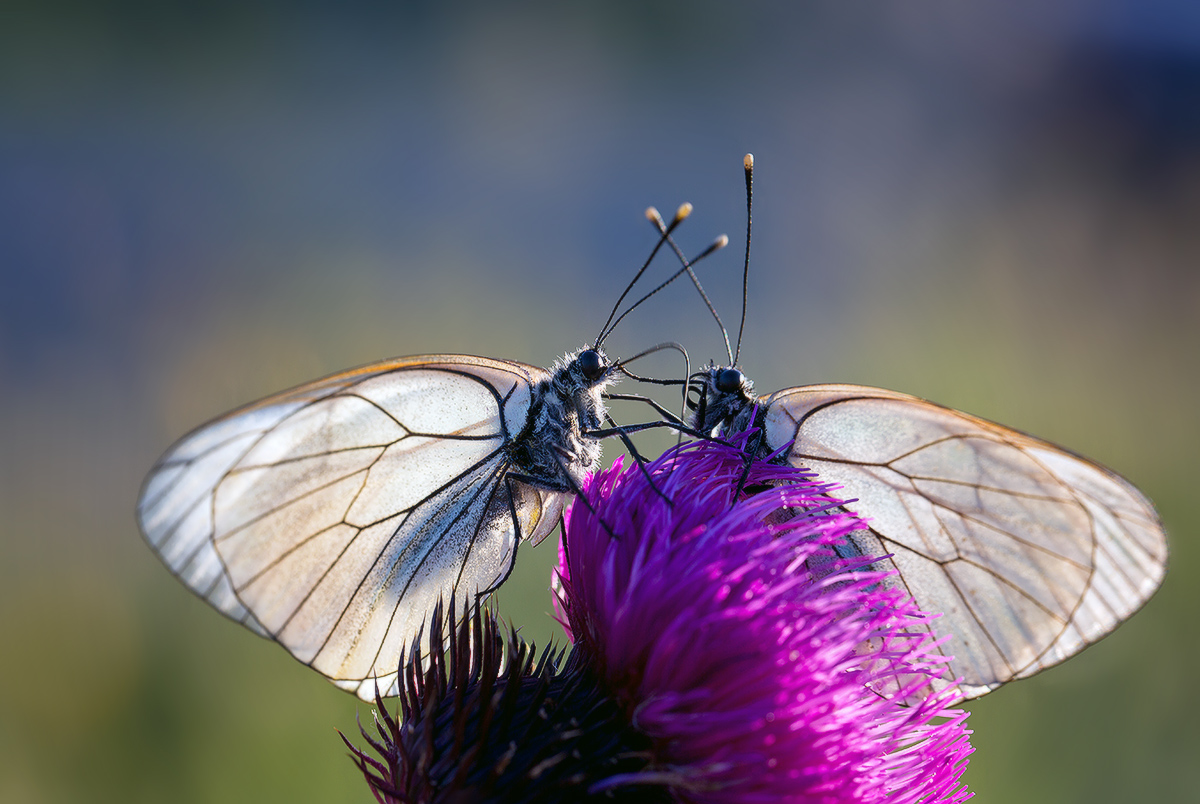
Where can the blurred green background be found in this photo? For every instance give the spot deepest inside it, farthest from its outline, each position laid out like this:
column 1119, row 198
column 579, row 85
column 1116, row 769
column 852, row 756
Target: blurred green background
column 992, row 205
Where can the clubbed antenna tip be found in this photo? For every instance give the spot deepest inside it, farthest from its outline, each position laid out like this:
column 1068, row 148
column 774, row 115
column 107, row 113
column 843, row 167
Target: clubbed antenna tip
column 718, row 244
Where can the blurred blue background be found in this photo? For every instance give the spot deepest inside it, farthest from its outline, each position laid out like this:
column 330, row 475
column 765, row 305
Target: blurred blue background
column 992, row 205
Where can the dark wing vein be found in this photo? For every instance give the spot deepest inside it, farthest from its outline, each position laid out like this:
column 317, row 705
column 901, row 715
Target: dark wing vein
column 484, row 484
column 382, row 552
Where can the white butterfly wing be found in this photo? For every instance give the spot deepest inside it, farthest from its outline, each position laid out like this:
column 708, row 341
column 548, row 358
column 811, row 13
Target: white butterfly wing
column 333, row 517
column 1029, row 552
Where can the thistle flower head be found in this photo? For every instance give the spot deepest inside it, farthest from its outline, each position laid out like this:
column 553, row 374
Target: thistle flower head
column 721, row 653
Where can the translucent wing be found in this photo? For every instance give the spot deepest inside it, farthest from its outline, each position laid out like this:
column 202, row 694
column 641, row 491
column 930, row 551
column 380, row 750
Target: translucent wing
column 333, row 517
column 1029, row 552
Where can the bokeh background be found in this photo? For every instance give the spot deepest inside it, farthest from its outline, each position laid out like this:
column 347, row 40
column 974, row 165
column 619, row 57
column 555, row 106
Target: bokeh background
column 993, row 205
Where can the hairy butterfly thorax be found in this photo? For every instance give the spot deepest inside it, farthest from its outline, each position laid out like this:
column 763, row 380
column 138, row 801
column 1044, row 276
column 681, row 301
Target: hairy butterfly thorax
column 559, row 448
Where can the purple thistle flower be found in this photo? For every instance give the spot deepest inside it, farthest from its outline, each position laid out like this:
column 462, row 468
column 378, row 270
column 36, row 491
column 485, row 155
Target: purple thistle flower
column 752, row 676
column 709, row 662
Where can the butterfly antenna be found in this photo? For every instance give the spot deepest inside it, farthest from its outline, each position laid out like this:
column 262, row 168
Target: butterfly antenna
column 680, row 215
column 653, row 216
column 687, row 370
column 748, row 166
column 672, row 345
column 715, row 246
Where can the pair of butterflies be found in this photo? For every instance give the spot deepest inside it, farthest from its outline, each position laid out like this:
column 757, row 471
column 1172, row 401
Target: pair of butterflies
column 332, row 518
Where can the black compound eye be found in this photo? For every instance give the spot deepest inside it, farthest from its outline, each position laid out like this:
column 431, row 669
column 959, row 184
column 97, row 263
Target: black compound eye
column 592, row 364
column 730, row 381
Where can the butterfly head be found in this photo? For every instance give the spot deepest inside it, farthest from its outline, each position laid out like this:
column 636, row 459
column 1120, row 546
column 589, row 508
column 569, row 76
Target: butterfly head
column 723, row 397
column 592, row 364
column 587, row 370
column 580, row 379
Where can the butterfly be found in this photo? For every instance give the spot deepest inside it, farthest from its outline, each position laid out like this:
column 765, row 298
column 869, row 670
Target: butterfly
column 335, row 517
column 1028, row 551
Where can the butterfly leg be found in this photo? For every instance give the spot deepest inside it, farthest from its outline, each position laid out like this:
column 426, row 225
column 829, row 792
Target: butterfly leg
column 637, row 428
column 638, row 458
column 659, row 409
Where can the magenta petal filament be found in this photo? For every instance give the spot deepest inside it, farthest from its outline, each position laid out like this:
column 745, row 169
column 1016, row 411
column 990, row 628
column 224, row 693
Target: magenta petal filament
column 753, row 676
